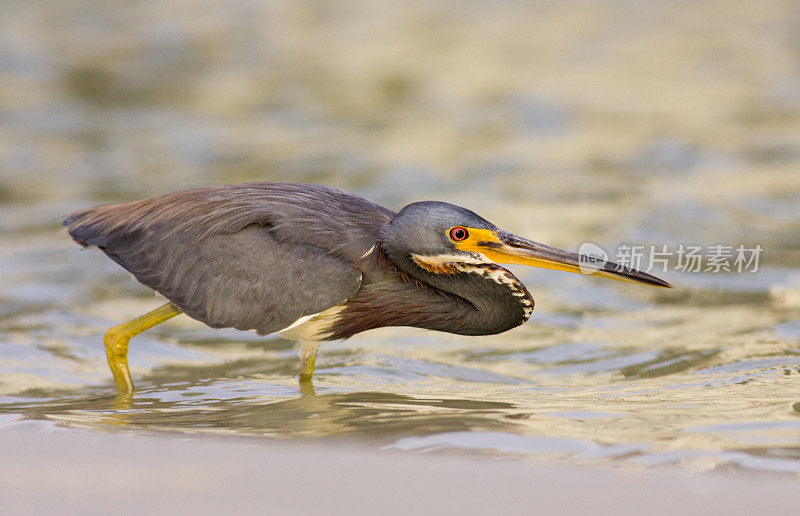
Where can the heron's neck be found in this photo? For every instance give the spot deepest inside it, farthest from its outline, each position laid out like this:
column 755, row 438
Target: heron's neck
column 499, row 299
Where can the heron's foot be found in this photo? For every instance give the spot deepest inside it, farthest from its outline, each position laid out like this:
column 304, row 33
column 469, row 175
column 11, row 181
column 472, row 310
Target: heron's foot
column 116, row 341
column 306, row 389
column 308, row 356
column 307, row 369
column 122, row 402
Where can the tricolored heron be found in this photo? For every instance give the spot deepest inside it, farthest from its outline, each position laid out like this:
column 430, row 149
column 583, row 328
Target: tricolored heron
column 316, row 263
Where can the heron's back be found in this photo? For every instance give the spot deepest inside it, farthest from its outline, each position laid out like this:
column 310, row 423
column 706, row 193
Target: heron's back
column 249, row 256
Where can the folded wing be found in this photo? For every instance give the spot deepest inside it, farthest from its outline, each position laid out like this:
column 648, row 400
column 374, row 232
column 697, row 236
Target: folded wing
column 253, row 256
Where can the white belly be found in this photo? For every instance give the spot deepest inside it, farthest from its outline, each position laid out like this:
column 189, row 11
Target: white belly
column 313, row 327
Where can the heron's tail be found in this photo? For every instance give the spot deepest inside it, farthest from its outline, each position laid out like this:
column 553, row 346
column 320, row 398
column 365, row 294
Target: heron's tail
column 91, row 226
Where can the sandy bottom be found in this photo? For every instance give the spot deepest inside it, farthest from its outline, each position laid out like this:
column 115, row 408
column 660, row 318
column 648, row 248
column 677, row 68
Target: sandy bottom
column 48, row 469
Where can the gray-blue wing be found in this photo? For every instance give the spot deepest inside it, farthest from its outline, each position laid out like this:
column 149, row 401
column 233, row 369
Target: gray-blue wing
column 254, row 257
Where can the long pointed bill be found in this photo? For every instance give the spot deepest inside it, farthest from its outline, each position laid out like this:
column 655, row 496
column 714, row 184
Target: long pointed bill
column 502, row 247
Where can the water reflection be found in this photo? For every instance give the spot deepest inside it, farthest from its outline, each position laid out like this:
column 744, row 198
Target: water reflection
column 668, row 407
column 572, row 122
column 378, row 416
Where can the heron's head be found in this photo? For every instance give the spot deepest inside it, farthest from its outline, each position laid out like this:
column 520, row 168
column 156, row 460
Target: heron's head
column 436, row 234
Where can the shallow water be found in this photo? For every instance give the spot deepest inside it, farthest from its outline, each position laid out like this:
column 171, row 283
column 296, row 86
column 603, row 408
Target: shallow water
column 612, row 122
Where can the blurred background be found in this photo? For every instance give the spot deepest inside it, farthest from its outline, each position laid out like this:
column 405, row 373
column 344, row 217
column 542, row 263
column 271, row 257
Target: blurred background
column 615, row 121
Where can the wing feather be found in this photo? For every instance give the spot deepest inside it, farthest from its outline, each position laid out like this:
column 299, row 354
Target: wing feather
column 253, row 256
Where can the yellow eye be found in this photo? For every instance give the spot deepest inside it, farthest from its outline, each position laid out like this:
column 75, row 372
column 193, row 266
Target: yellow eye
column 457, row 234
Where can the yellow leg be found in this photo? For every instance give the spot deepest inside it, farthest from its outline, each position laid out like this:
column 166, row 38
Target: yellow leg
column 116, row 340
column 308, row 355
